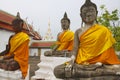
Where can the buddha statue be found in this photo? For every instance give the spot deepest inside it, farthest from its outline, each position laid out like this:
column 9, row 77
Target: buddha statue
column 93, row 56
column 15, row 57
column 64, row 43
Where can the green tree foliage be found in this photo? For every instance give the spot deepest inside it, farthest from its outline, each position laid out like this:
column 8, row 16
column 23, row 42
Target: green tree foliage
column 111, row 20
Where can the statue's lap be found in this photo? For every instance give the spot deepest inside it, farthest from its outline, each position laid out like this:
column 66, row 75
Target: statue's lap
column 85, row 72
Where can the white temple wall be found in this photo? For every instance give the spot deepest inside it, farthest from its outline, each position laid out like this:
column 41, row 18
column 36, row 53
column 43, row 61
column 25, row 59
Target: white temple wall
column 4, row 37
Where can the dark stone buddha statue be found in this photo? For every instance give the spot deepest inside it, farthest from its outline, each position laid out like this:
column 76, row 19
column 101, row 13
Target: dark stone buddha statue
column 92, row 58
column 64, row 43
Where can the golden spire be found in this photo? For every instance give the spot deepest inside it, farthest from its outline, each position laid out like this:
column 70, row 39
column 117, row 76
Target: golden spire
column 48, row 35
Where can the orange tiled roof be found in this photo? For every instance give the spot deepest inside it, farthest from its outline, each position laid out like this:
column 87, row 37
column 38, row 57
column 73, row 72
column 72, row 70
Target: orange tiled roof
column 6, row 17
column 5, row 23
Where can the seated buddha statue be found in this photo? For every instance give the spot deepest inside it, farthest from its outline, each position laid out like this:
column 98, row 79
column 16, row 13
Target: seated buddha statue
column 17, row 51
column 93, row 54
column 64, row 43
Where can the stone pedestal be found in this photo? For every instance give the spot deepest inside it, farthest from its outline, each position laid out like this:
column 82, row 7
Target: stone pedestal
column 46, row 67
column 12, row 75
column 97, row 78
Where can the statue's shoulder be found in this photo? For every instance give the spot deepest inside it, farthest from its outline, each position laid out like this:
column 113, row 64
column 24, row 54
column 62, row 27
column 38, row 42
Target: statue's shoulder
column 79, row 30
column 10, row 37
column 101, row 26
column 59, row 33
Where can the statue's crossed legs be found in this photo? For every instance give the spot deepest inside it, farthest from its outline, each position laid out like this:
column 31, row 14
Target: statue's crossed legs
column 85, row 71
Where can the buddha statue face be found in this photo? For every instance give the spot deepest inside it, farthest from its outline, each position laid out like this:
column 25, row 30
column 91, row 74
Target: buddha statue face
column 17, row 23
column 65, row 24
column 88, row 14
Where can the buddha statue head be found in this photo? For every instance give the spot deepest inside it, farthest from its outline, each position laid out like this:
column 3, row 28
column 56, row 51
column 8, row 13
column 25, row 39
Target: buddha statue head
column 17, row 23
column 88, row 12
column 65, row 22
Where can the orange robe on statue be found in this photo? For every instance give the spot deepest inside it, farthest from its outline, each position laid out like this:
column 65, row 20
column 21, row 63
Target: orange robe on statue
column 19, row 46
column 96, row 46
column 65, row 40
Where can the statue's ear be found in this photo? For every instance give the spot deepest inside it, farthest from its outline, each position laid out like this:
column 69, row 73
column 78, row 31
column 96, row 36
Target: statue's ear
column 96, row 12
column 80, row 15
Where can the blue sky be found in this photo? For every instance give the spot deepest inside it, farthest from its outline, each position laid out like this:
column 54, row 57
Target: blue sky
column 40, row 12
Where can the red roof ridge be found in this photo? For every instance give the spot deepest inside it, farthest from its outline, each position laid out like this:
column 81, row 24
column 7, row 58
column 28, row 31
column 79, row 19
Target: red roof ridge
column 8, row 13
column 6, row 20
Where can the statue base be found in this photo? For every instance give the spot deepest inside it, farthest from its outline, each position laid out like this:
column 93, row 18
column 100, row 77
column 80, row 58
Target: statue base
column 87, row 72
column 97, row 78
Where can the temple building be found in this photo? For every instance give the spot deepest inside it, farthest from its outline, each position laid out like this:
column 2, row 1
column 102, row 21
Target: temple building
column 6, row 30
column 36, row 45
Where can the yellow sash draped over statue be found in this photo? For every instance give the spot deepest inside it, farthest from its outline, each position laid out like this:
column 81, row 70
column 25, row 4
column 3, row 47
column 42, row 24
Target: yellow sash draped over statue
column 65, row 40
column 96, row 46
column 19, row 46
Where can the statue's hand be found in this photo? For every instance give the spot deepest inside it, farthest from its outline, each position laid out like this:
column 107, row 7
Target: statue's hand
column 117, row 73
column 68, row 69
column 98, row 64
column 72, row 59
column 71, row 62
